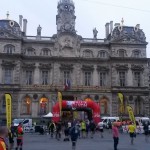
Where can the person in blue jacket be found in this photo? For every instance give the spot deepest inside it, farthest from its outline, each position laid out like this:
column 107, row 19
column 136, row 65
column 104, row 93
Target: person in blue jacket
column 74, row 134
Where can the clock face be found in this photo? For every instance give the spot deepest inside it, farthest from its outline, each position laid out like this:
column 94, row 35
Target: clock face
column 66, row 7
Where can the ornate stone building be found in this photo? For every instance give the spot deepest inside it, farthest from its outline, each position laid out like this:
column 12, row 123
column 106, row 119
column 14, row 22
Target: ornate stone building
column 32, row 68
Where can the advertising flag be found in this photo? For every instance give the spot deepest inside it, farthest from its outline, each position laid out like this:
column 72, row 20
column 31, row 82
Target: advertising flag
column 120, row 95
column 8, row 109
column 131, row 114
column 60, row 101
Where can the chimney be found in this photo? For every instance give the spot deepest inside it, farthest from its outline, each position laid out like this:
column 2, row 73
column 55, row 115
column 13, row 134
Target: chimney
column 111, row 26
column 107, row 29
column 25, row 26
column 20, row 20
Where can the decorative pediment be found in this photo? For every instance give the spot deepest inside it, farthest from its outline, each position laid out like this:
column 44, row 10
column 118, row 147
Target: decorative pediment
column 66, row 67
column 45, row 66
column 124, row 34
column 28, row 65
column 88, row 67
column 122, row 66
column 137, row 67
column 102, row 68
column 8, row 63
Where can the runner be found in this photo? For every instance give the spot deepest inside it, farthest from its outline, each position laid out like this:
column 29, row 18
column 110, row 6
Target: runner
column 101, row 129
column 11, row 135
column 52, row 128
column 19, row 137
column 92, row 128
column 132, row 132
column 3, row 136
column 74, row 133
column 83, row 128
column 146, row 131
column 58, row 130
column 115, row 133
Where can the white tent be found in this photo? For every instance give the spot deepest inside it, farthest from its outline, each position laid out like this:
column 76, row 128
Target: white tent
column 49, row 115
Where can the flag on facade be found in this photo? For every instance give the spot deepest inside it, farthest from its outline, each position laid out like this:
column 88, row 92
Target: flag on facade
column 120, row 95
column 60, row 101
column 8, row 109
column 67, row 85
column 131, row 115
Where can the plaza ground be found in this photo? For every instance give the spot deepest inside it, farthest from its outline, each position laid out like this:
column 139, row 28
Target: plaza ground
column 34, row 141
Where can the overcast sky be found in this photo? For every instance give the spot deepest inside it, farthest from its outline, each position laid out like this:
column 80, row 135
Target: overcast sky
column 90, row 14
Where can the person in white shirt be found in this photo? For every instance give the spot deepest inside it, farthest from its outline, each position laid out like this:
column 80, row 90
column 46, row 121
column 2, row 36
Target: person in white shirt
column 101, row 129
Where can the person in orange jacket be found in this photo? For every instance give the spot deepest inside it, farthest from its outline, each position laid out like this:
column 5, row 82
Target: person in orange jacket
column 3, row 136
column 19, row 137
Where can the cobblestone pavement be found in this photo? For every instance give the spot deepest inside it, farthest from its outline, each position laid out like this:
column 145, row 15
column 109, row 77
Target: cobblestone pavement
column 44, row 142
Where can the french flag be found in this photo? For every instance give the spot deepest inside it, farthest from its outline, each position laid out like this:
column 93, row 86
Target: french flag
column 67, row 85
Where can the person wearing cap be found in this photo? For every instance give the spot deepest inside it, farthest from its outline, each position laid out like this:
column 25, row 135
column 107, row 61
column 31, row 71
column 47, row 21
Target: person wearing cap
column 3, row 136
column 115, row 133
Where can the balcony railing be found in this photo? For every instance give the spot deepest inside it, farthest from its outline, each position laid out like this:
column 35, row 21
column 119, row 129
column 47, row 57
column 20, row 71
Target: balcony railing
column 36, row 38
column 90, row 40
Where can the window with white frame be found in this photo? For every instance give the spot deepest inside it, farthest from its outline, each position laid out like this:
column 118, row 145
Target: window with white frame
column 102, row 78
column 29, row 77
column 137, row 78
column 9, row 49
column 66, row 77
column 87, row 78
column 8, row 76
column 122, row 78
column 45, row 79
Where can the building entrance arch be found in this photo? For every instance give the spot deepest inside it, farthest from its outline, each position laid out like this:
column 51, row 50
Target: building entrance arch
column 75, row 106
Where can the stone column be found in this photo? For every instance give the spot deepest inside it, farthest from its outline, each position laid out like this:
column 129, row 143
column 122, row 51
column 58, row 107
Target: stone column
column 95, row 77
column 37, row 76
column 130, row 78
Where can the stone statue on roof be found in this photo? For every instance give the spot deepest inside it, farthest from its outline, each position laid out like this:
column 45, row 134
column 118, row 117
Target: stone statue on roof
column 39, row 29
column 95, row 32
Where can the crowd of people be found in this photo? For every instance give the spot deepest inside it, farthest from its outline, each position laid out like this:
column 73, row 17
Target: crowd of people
column 73, row 130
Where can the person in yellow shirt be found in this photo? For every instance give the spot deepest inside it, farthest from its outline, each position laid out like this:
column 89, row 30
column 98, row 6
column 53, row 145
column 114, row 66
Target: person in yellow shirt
column 132, row 132
column 3, row 135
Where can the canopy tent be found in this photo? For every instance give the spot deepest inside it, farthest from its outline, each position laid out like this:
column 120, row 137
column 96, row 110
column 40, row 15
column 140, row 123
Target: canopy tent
column 49, row 115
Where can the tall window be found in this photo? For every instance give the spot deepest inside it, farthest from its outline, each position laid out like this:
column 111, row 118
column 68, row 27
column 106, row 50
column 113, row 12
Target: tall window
column 9, row 49
column 29, row 77
column 8, row 76
column 121, row 53
column 102, row 77
column 26, row 106
column 66, row 76
column 43, row 105
column 45, row 77
column 122, row 78
column 3, row 105
column 88, row 78
column 137, row 78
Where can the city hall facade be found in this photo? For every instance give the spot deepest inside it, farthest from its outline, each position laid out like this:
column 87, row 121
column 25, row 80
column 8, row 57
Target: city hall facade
column 34, row 68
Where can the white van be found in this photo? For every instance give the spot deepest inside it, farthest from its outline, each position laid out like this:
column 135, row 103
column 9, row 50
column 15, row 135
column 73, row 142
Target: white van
column 25, row 122
column 105, row 120
column 142, row 120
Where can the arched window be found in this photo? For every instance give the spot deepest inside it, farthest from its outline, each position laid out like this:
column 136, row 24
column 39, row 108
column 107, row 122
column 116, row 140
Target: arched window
column 104, row 105
column 26, row 106
column 30, row 52
column 9, row 49
column 43, row 105
column 88, row 54
column 102, row 54
column 136, row 53
column 122, row 53
column 46, row 52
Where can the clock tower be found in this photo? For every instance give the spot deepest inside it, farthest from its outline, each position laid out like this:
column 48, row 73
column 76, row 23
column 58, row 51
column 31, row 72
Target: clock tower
column 65, row 19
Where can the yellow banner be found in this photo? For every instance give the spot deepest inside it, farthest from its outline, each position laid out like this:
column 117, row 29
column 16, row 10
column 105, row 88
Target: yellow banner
column 60, row 101
column 120, row 95
column 131, row 115
column 8, row 109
